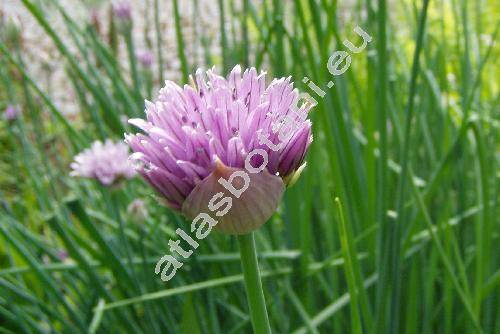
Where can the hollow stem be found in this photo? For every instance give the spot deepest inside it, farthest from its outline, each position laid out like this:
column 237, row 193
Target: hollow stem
column 253, row 285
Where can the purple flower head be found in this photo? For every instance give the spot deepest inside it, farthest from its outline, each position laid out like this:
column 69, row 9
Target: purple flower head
column 122, row 10
column 62, row 255
column 145, row 58
column 197, row 134
column 11, row 112
column 108, row 162
column 137, row 210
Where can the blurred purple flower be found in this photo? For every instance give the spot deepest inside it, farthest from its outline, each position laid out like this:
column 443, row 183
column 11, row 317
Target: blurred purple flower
column 62, row 255
column 11, row 112
column 108, row 162
column 137, row 210
column 122, row 10
column 145, row 58
column 192, row 134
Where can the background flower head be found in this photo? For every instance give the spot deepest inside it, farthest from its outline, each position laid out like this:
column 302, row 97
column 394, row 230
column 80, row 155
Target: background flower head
column 137, row 210
column 122, row 10
column 107, row 163
column 11, row 112
column 145, row 58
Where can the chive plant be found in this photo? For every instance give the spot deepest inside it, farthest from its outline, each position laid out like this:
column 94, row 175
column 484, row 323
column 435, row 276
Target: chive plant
column 391, row 227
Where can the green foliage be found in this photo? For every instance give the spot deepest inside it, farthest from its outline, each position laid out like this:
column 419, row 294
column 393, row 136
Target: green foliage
column 391, row 228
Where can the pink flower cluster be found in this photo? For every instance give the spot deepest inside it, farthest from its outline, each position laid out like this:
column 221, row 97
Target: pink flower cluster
column 106, row 162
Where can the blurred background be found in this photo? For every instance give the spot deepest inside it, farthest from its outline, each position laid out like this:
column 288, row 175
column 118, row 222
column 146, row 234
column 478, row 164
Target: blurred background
column 407, row 139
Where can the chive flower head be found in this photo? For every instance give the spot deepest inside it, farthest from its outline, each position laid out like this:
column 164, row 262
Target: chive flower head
column 122, row 10
column 11, row 113
column 145, row 58
column 196, row 134
column 106, row 162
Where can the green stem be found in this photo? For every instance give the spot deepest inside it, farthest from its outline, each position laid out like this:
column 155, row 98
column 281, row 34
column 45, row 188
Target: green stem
column 223, row 37
column 180, row 42
column 395, row 236
column 159, row 43
column 253, row 285
column 133, row 63
column 244, row 31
